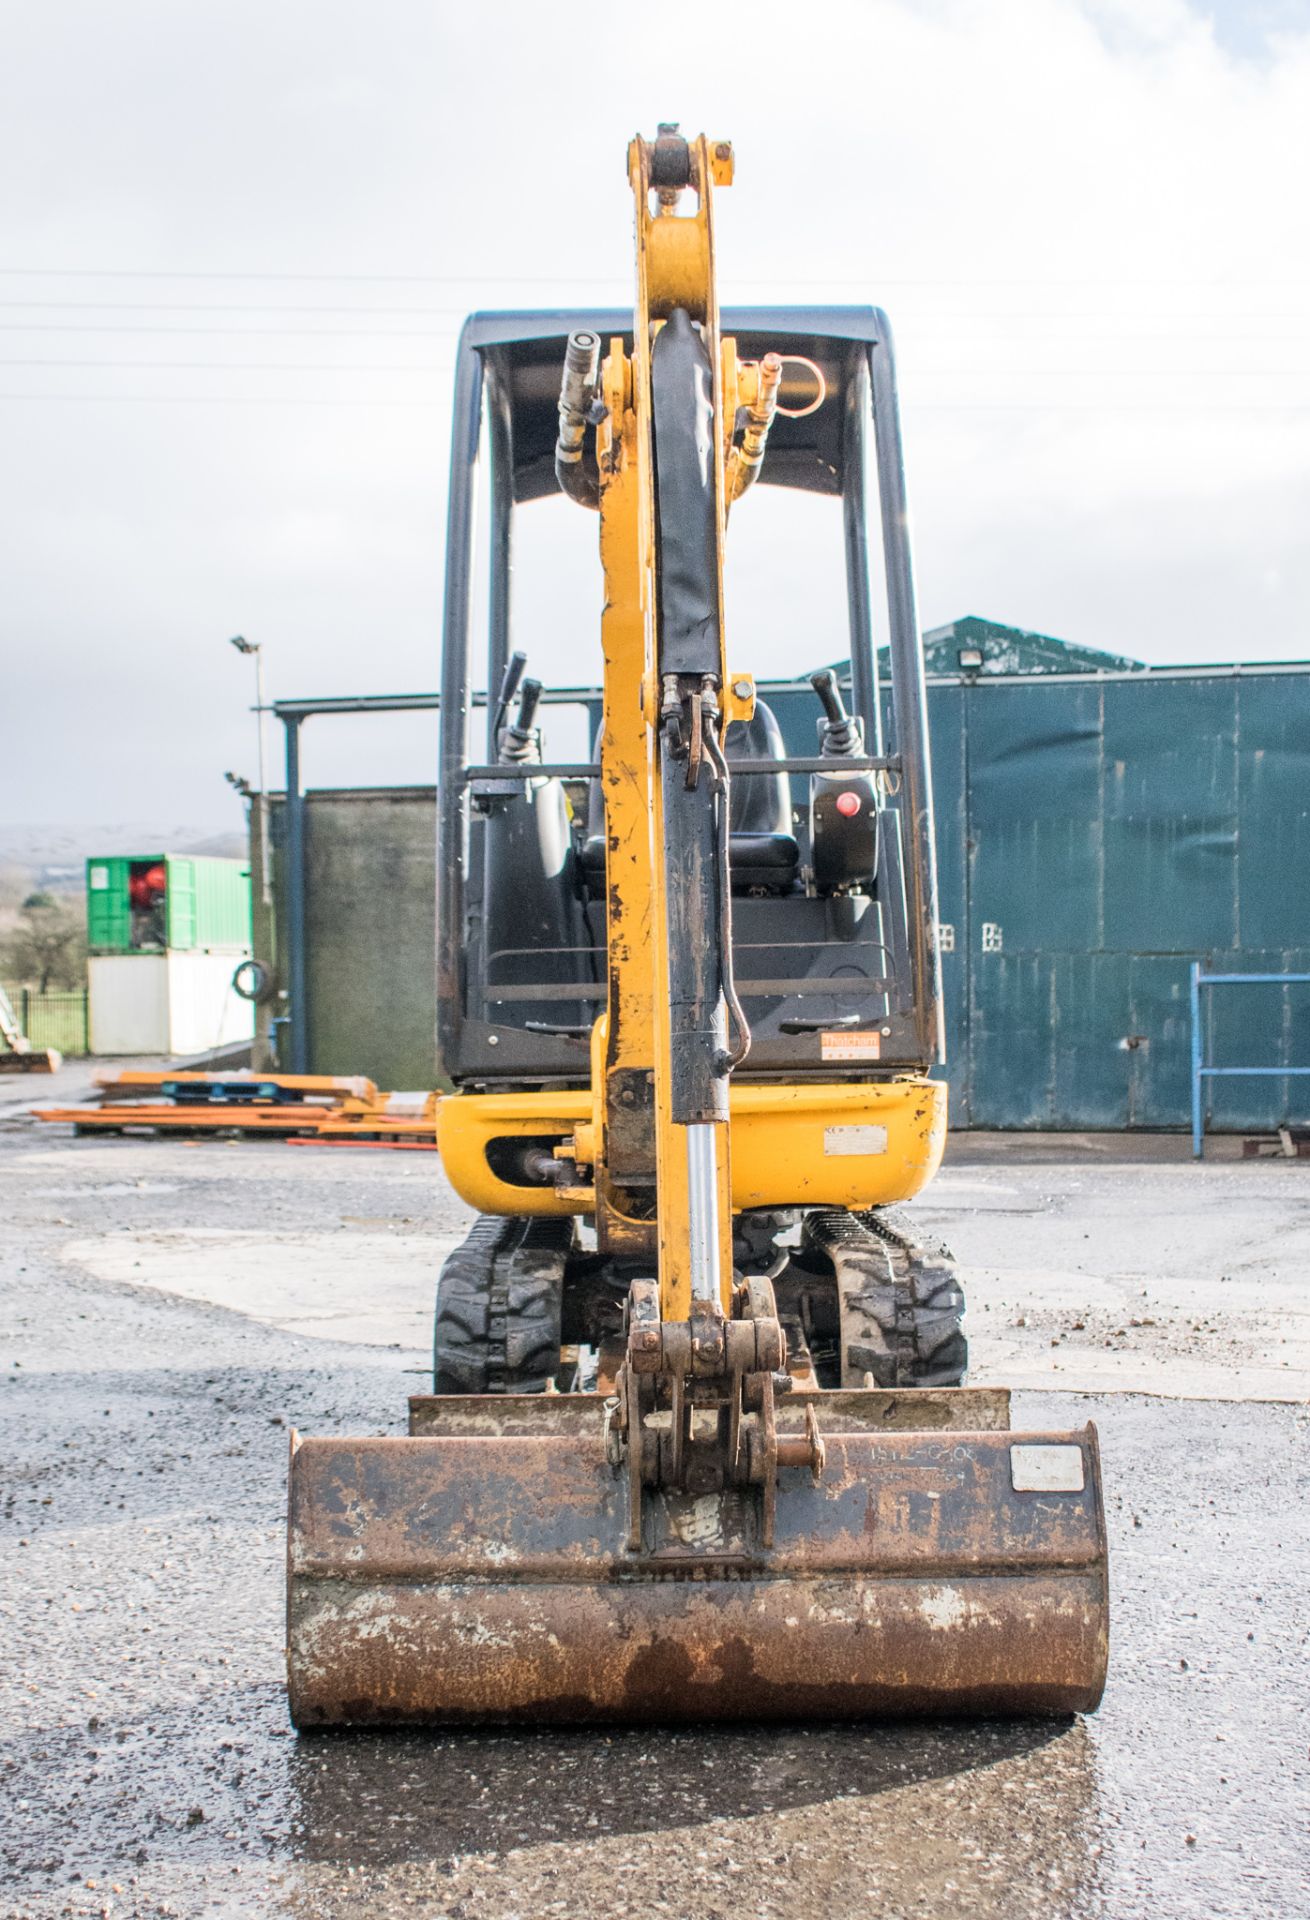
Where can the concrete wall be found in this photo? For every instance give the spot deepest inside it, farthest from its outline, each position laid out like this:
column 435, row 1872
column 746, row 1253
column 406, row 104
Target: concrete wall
column 371, row 925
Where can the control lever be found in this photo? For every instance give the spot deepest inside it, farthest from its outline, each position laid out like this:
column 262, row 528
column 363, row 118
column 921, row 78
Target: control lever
column 509, row 686
column 529, row 700
column 843, row 806
column 516, row 743
column 841, row 735
column 520, row 741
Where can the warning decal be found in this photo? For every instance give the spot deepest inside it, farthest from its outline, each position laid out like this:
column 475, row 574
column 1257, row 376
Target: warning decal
column 846, row 1045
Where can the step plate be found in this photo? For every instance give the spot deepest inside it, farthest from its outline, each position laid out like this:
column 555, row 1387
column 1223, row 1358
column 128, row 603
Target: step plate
column 460, row 1580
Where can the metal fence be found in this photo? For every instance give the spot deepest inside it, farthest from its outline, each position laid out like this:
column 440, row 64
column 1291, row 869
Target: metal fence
column 1201, row 1069
column 53, row 1019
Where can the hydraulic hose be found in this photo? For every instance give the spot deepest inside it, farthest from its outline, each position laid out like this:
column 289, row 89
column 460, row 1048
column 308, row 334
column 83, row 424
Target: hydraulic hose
column 577, row 399
column 741, row 1046
column 748, row 458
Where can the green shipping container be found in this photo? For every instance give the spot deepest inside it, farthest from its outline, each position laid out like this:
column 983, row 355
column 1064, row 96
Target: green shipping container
column 203, row 904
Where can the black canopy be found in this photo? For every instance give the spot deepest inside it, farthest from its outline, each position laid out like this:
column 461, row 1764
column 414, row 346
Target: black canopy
column 524, row 352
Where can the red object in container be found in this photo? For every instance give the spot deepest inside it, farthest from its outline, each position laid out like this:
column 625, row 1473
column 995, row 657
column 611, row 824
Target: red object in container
column 146, row 889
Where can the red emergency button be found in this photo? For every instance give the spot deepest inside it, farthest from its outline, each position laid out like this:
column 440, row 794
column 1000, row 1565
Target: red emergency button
column 848, row 804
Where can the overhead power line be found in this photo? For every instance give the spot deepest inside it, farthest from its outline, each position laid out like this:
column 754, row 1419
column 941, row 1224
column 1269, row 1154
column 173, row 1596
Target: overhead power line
column 372, row 279
column 239, row 333
column 1107, row 278
column 910, row 369
column 225, row 306
column 447, row 334
column 235, row 366
column 230, row 400
column 1200, row 410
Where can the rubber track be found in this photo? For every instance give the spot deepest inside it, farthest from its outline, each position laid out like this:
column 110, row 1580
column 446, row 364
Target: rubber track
column 499, row 1300
column 901, row 1303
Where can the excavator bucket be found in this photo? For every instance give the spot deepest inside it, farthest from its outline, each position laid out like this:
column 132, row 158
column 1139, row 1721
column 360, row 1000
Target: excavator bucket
column 481, row 1571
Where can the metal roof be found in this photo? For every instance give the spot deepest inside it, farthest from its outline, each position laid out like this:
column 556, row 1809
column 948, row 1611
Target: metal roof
column 1011, row 650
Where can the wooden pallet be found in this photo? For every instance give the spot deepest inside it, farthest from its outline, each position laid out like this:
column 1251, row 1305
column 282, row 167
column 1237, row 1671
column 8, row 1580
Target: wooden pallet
column 307, row 1109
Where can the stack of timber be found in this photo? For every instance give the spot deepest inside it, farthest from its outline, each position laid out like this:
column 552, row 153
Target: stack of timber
column 401, row 1120
column 279, row 1104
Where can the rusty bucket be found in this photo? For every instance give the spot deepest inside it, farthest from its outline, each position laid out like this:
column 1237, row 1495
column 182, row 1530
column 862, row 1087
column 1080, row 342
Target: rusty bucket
column 482, row 1572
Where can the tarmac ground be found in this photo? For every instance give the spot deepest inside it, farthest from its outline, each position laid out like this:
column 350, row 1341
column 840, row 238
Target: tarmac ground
column 169, row 1309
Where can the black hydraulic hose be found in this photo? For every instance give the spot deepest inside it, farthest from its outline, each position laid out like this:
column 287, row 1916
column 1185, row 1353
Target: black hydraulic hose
column 741, row 1047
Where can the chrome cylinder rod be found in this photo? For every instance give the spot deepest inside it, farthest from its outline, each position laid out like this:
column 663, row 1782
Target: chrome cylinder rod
column 703, row 1210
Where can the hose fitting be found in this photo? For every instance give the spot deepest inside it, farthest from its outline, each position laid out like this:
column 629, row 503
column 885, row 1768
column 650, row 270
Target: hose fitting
column 577, row 402
column 748, row 458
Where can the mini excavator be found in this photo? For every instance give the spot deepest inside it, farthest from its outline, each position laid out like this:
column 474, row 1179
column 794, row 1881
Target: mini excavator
column 698, row 1444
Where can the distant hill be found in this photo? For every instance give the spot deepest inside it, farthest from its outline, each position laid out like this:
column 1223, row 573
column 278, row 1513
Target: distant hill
column 224, row 846
column 55, row 855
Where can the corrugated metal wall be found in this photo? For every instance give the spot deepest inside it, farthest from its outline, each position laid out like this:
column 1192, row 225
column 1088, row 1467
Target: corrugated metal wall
column 1095, row 836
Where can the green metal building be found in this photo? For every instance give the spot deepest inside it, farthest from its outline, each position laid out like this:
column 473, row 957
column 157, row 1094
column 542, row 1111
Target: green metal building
column 165, row 933
column 205, row 903
column 1100, row 826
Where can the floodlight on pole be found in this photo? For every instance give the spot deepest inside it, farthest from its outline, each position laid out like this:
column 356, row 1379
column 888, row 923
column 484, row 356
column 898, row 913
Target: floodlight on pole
column 254, row 649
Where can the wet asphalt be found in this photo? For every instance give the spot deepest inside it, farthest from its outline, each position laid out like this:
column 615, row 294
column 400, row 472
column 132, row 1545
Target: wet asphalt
column 147, row 1765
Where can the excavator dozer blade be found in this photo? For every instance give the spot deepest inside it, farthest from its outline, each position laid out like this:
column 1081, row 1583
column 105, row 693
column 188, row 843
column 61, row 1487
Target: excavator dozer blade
column 464, row 1579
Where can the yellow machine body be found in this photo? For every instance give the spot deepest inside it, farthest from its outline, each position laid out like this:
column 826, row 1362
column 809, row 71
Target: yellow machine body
column 814, row 1144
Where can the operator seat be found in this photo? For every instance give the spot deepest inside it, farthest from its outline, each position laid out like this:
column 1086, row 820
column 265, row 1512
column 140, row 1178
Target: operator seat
column 762, row 849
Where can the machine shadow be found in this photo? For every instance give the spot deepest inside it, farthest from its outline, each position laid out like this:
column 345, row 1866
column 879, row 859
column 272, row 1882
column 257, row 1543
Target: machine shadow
column 385, row 1799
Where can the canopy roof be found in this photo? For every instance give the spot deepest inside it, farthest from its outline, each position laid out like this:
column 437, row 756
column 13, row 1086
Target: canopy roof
column 524, row 352
column 1007, row 649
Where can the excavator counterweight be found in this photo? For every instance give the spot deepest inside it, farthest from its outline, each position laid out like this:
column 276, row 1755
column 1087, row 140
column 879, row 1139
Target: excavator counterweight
column 699, row 1444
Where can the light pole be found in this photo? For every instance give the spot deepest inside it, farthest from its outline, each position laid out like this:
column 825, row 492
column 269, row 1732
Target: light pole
column 254, row 648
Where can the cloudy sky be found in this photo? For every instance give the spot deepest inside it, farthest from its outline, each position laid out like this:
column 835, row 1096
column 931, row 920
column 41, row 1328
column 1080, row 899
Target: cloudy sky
column 237, row 239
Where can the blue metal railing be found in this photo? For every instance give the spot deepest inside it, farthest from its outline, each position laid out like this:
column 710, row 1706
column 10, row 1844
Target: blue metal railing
column 1200, row 1071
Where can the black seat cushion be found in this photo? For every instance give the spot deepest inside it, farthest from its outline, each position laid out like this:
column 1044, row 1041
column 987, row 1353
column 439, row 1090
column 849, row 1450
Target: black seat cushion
column 766, row 860
column 762, row 848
